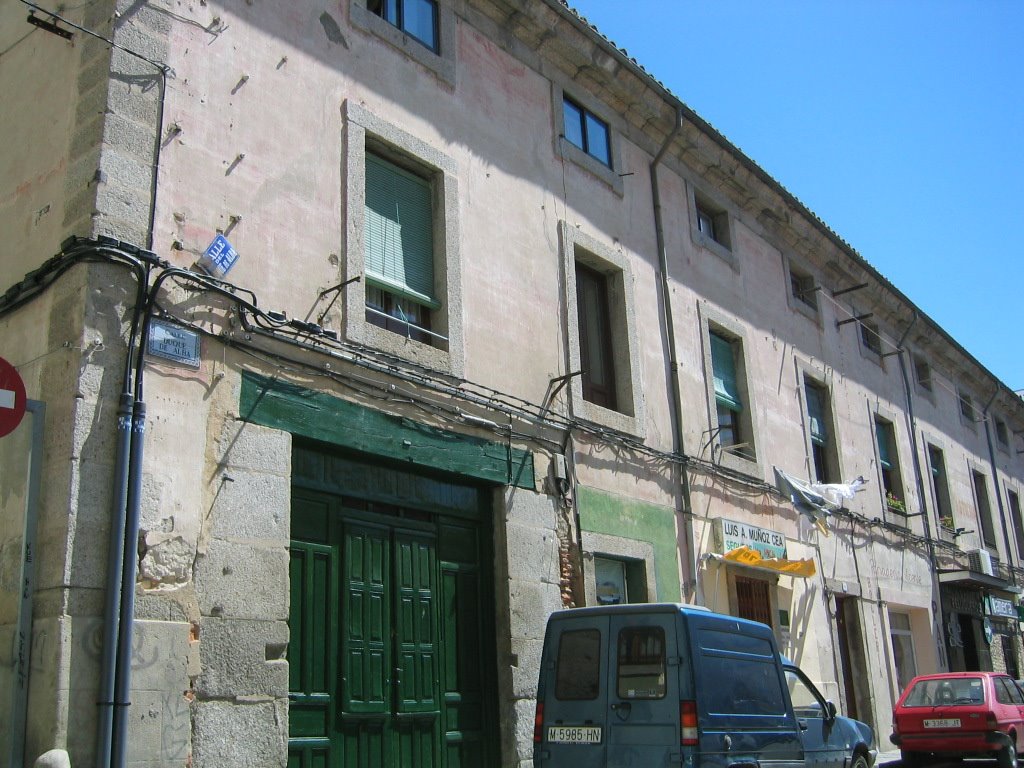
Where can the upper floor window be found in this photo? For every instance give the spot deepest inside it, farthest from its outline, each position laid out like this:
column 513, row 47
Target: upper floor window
column 417, row 18
column 587, row 131
column 596, row 355
column 399, row 241
column 712, row 222
column 967, row 415
column 802, row 287
column 598, row 300
column 940, row 488
column 822, row 445
column 923, row 374
column 1016, row 521
column 889, row 467
column 734, row 429
column 1002, row 435
column 870, row 338
column 981, row 499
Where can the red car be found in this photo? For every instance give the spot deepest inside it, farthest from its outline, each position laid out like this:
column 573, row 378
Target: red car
column 959, row 714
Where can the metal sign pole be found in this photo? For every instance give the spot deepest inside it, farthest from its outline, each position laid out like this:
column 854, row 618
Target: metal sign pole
column 23, row 638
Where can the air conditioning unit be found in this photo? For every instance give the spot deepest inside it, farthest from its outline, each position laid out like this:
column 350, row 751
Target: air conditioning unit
column 980, row 561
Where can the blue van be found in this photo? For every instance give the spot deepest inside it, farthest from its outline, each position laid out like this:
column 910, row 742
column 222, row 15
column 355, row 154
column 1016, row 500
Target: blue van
column 652, row 685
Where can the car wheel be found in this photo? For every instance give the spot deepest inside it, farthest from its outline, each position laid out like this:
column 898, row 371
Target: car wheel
column 911, row 759
column 859, row 761
column 1008, row 756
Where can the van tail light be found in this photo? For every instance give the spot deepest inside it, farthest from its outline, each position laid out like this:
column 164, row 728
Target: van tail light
column 688, row 723
column 538, row 723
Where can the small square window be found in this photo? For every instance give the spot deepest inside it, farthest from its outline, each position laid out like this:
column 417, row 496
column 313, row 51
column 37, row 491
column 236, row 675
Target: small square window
column 417, row 18
column 923, row 374
column 619, row 581
column 870, row 338
column 803, row 289
column 967, row 412
column 1002, row 435
column 587, row 131
column 712, row 222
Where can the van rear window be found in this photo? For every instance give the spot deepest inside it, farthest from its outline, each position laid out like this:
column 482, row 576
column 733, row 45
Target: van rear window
column 578, row 672
column 641, row 663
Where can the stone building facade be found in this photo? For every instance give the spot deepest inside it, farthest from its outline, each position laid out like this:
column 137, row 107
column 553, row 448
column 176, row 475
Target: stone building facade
column 505, row 327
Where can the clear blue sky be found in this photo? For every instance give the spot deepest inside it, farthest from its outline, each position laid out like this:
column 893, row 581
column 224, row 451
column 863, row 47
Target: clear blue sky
column 899, row 123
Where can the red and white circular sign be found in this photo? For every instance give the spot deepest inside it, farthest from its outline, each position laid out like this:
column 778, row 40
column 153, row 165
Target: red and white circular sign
column 12, row 398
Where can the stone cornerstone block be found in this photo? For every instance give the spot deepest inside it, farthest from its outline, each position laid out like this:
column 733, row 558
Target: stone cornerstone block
column 242, row 658
column 243, row 581
column 248, row 446
column 240, row 735
column 253, row 507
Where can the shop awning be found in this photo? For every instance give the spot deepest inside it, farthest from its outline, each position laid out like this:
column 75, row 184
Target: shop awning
column 751, row 558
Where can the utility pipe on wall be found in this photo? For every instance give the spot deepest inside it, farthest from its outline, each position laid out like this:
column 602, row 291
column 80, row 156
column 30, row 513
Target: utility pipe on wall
column 675, row 403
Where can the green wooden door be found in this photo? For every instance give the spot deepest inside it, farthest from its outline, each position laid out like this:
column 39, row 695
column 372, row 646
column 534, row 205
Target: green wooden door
column 386, row 659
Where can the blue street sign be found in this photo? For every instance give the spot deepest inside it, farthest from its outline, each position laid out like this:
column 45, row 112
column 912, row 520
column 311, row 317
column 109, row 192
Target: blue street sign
column 219, row 257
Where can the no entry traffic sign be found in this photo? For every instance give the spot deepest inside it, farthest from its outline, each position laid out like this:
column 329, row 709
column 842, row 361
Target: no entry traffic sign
column 12, row 398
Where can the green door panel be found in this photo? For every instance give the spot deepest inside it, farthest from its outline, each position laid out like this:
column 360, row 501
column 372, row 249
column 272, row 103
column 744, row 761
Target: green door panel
column 366, row 633
column 415, row 623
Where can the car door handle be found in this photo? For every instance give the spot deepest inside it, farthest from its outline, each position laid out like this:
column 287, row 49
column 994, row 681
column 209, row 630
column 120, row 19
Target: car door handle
column 802, row 723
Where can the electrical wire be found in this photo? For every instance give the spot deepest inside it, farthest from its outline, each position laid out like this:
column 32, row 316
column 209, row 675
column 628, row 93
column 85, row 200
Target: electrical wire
column 259, row 324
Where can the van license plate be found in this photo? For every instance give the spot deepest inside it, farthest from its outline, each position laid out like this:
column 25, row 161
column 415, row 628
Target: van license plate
column 950, row 723
column 574, row 734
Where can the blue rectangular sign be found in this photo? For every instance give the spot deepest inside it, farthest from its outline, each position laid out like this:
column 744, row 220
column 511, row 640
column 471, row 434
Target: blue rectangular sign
column 219, row 257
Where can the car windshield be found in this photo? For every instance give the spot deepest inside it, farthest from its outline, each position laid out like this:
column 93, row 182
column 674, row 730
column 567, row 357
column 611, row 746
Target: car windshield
column 950, row 690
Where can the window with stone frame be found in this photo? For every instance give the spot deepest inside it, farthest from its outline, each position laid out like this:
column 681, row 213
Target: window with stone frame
column 734, row 425
column 417, row 18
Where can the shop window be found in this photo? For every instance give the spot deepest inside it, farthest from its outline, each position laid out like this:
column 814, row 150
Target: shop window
column 619, row 581
column 903, row 654
column 753, row 600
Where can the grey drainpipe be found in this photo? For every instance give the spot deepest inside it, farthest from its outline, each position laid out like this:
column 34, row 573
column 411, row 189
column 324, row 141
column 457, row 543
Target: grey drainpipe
column 676, row 405
column 995, row 481
column 908, row 391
